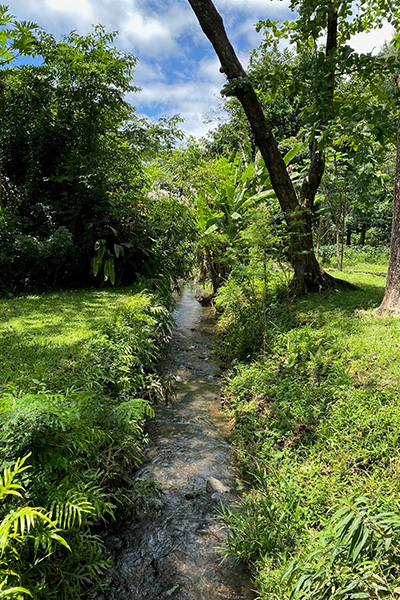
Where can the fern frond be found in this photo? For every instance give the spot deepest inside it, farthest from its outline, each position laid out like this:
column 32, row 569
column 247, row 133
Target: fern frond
column 18, row 523
column 13, row 592
column 72, row 511
column 7, row 485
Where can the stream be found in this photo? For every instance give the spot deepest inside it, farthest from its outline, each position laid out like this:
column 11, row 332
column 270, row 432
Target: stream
column 173, row 549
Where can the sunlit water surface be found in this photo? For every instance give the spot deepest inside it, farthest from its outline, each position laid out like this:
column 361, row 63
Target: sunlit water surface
column 173, row 549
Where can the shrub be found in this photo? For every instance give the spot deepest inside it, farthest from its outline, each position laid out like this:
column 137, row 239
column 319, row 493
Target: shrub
column 23, row 530
column 355, row 254
column 356, row 556
column 78, row 409
column 314, row 420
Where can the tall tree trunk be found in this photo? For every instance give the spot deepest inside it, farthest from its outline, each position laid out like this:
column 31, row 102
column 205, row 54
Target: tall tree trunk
column 338, row 246
column 319, row 236
column 1, row 192
column 342, row 242
column 363, row 233
column 391, row 299
column 308, row 275
column 348, row 235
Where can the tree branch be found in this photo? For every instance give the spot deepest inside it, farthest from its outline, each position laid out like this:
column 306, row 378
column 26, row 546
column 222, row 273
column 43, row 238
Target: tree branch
column 317, row 166
column 212, row 24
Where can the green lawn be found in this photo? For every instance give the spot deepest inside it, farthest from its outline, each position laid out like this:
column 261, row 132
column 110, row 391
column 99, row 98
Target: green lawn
column 316, row 427
column 42, row 336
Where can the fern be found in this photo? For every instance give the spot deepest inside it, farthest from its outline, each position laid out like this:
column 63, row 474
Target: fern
column 72, row 512
column 17, row 526
column 83, row 444
column 7, row 485
column 132, row 411
column 16, row 592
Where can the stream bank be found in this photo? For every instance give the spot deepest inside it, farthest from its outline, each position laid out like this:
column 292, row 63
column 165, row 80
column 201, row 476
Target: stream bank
column 173, row 549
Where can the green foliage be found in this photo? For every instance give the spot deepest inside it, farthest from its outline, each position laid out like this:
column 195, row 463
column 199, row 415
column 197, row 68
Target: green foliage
column 241, row 324
column 315, row 429
column 357, row 556
column 16, row 37
column 72, row 174
column 172, row 234
column 28, row 258
column 322, row 105
column 75, row 395
column 129, row 348
column 22, row 526
column 344, row 101
column 64, row 157
column 224, row 209
column 353, row 255
column 258, row 274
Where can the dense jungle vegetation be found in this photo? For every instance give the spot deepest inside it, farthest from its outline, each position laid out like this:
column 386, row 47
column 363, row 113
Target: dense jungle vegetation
column 103, row 212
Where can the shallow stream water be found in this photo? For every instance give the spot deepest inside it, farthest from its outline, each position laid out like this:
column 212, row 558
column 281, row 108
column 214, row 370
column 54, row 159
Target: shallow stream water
column 172, row 550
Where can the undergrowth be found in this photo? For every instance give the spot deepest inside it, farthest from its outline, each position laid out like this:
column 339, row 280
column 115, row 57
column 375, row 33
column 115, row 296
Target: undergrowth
column 315, row 413
column 77, row 374
column 356, row 257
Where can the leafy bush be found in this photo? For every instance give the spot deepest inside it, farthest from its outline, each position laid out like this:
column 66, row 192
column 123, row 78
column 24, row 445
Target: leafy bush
column 23, row 529
column 28, row 261
column 356, row 556
column 355, row 254
column 314, row 419
column 84, row 440
column 241, row 326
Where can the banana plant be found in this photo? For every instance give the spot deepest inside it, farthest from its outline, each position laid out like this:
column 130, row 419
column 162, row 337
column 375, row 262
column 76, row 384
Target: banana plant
column 242, row 187
column 219, row 212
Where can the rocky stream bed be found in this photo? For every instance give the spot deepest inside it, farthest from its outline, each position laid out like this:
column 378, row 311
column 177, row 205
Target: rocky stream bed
column 173, row 549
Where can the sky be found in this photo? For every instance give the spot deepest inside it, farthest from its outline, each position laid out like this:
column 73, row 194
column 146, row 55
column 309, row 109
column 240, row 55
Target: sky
column 177, row 69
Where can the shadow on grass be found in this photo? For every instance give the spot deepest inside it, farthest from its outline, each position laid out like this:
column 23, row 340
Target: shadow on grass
column 44, row 337
column 367, row 295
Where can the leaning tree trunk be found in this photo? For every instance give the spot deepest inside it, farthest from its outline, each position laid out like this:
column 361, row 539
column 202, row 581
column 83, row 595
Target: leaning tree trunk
column 308, row 275
column 391, row 299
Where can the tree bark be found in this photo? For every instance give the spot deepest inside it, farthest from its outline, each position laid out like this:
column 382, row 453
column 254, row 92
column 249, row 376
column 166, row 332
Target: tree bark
column 308, row 275
column 319, row 236
column 1, row 192
column 348, row 235
column 391, row 299
column 363, row 234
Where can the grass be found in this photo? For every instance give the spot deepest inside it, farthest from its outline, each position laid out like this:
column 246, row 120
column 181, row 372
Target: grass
column 76, row 374
column 41, row 336
column 315, row 424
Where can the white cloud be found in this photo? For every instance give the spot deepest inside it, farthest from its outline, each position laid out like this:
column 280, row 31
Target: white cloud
column 274, row 6
column 208, row 70
column 372, row 41
column 192, row 100
column 195, row 93
column 246, row 30
column 146, row 72
column 82, row 8
column 154, row 32
column 147, row 34
column 166, row 38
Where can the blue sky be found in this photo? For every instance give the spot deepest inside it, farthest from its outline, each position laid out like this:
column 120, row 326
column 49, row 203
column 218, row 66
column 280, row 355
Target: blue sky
column 177, row 68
